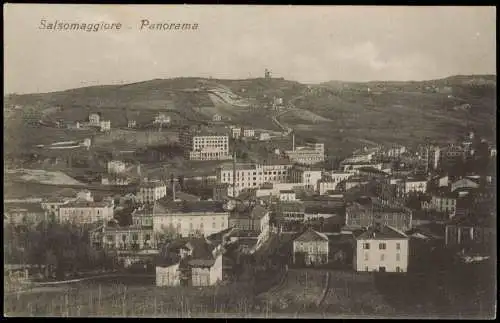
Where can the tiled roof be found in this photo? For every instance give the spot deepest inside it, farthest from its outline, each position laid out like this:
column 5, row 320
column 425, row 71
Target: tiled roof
column 82, row 204
column 311, row 235
column 190, row 207
column 383, row 232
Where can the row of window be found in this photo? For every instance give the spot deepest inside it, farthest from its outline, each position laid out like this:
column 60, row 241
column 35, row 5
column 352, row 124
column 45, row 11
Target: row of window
column 381, row 246
column 382, row 257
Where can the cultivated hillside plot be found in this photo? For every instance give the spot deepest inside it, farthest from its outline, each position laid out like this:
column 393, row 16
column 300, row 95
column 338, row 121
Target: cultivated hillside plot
column 41, row 176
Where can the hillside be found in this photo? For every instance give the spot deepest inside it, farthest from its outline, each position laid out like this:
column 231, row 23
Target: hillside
column 342, row 114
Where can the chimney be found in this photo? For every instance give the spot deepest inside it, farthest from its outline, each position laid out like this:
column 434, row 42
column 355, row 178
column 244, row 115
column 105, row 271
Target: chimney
column 293, row 141
column 234, row 173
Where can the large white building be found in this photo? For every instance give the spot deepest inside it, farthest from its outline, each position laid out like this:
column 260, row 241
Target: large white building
column 95, row 119
column 105, row 125
column 381, row 248
column 252, row 175
column 331, row 180
column 116, row 166
column 307, row 176
column 190, row 218
column 411, row 185
column 310, row 154
column 203, row 145
column 150, row 192
column 84, row 212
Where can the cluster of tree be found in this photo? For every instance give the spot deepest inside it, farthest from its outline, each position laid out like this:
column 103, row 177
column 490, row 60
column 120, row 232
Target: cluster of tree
column 59, row 248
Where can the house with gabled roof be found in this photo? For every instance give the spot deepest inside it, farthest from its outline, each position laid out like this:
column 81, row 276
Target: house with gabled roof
column 381, row 248
column 310, row 248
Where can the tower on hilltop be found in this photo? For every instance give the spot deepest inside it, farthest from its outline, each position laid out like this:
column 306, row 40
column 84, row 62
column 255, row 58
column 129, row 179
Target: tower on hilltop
column 267, row 74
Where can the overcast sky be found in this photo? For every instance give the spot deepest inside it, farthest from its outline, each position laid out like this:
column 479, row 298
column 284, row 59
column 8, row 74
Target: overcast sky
column 309, row 44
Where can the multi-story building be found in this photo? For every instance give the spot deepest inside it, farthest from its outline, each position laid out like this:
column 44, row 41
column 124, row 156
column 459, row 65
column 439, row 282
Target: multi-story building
column 287, row 195
column 204, row 145
column 395, row 151
column 95, row 119
column 131, row 124
column 105, row 125
column 191, row 218
column 310, row 248
column 84, row 212
column 131, row 238
column 248, row 132
column 365, row 214
column 116, row 166
column 330, row 181
column 430, row 156
column 256, row 219
column 309, row 177
column 310, row 154
column 381, row 248
column 249, row 176
column 264, row 136
column 235, row 132
column 444, row 202
column 161, row 119
column 411, row 185
column 150, row 192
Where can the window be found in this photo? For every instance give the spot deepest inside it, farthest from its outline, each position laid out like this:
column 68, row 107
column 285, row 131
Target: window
column 381, row 246
column 366, row 246
column 398, row 246
column 398, row 256
column 382, row 257
column 366, row 268
column 398, row 269
column 366, row 257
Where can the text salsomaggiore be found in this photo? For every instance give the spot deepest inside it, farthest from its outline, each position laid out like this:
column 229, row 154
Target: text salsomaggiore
column 148, row 25
column 58, row 25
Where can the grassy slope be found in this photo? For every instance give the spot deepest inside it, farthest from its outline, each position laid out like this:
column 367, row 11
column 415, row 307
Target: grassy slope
column 403, row 112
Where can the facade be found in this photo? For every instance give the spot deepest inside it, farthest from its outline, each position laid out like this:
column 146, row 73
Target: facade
column 365, row 215
column 308, row 177
column 287, row 195
column 310, row 248
column 151, row 191
column 431, row 156
column 216, row 117
column 444, row 202
column 256, row 221
column 248, row 133
column 395, row 151
column 250, row 176
column 191, row 218
column 95, row 119
column 116, row 167
column 201, row 145
column 131, row 124
column 83, row 212
column 161, row 119
column 132, row 238
column 235, row 132
column 105, row 125
column 168, row 276
column 411, row 185
column 383, row 249
column 309, row 155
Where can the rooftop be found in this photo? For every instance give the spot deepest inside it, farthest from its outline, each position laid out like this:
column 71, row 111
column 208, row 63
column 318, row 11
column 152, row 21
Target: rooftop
column 382, row 232
column 82, row 204
column 25, row 207
column 311, row 235
column 189, row 207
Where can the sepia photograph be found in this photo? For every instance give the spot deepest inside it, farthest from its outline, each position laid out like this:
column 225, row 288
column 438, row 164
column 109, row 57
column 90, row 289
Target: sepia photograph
column 250, row 161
